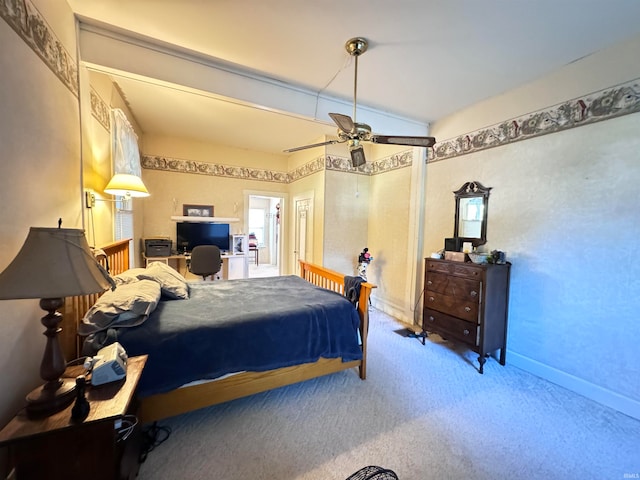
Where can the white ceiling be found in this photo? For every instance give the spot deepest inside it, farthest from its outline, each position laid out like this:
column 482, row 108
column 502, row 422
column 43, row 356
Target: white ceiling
column 426, row 58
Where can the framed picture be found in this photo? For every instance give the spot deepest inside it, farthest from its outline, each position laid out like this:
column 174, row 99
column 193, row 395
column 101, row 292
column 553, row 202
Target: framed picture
column 197, row 210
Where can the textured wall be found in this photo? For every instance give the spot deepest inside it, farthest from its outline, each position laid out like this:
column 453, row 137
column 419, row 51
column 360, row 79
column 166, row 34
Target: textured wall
column 563, row 207
column 346, row 220
column 39, row 175
column 389, row 220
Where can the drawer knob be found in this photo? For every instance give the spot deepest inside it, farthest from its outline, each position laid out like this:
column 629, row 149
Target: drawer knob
column 431, row 299
column 429, row 282
column 467, row 309
column 474, row 293
column 431, row 319
column 466, row 332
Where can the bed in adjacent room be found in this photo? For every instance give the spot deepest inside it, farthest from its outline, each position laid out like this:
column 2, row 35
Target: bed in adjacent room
column 209, row 342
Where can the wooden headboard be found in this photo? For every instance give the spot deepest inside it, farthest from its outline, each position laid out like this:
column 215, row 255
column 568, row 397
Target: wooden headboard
column 116, row 260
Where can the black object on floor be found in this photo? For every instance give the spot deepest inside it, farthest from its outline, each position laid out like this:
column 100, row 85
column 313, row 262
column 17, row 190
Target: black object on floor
column 409, row 333
column 373, row 473
column 152, row 436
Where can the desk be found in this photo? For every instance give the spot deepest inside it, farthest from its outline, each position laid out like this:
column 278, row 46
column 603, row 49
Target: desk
column 233, row 266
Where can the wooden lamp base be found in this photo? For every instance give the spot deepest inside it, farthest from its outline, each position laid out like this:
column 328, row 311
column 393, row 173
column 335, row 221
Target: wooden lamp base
column 56, row 393
column 51, row 397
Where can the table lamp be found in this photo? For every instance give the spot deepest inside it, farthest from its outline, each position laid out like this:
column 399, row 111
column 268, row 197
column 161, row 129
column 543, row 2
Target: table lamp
column 53, row 263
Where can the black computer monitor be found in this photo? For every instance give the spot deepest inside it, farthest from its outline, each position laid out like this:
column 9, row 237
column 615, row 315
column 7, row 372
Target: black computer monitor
column 192, row 234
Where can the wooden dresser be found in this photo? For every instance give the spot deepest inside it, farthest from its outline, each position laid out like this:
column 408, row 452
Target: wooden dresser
column 468, row 303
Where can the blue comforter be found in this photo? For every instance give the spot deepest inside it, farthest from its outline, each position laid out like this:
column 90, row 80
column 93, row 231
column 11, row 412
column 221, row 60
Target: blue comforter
column 252, row 324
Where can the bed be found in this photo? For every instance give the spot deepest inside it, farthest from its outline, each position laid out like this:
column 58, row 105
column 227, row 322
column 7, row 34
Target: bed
column 162, row 400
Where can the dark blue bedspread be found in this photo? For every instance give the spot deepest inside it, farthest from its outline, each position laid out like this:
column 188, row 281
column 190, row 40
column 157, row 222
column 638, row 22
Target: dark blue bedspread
column 252, row 324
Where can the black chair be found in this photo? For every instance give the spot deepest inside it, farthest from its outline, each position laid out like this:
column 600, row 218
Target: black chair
column 205, row 260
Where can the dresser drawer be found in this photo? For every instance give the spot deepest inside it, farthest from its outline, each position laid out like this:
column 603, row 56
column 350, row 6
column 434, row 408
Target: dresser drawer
column 462, row 288
column 467, row 270
column 450, row 327
column 436, row 266
column 461, row 269
column 458, row 307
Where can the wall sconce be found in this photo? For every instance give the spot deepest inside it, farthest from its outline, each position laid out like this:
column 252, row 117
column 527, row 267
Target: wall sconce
column 122, row 185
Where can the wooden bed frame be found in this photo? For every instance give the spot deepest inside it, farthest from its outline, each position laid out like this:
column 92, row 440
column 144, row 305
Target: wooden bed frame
column 188, row 398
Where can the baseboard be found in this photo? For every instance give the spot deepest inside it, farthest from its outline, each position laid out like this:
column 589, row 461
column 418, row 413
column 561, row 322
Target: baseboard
column 390, row 309
column 596, row 393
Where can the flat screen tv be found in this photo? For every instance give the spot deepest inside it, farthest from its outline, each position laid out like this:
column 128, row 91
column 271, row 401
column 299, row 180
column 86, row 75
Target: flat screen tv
column 192, row 234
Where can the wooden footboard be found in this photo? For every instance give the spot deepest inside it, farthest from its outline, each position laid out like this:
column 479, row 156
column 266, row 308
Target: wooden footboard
column 185, row 399
column 332, row 280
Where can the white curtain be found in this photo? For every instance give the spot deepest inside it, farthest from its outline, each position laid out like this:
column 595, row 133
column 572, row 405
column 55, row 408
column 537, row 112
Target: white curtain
column 125, row 156
column 124, row 145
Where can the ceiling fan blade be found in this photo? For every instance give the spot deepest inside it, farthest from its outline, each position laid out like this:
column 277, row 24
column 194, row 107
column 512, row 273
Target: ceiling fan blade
column 304, row 147
column 402, row 140
column 344, row 122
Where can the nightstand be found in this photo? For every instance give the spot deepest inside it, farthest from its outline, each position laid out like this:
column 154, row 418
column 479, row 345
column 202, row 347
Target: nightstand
column 56, row 447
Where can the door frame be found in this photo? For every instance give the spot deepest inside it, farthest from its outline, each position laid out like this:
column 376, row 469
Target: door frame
column 310, row 197
column 282, row 259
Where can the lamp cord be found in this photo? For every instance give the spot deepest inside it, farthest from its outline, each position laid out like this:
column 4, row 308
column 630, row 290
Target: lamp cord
column 153, row 436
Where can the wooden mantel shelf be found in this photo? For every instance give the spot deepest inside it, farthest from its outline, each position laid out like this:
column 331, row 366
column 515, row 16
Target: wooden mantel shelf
column 180, row 218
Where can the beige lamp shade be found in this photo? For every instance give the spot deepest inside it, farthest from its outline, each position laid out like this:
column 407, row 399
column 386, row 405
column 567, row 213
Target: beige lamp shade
column 53, row 263
column 125, row 184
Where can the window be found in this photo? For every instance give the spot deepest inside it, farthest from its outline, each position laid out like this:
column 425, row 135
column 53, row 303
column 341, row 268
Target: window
column 256, row 224
column 123, row 219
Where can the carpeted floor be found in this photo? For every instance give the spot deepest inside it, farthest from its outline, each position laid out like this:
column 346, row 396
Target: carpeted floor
column 424, row 412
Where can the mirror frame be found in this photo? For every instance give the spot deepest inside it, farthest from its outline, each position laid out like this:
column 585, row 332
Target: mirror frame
column 471, row 190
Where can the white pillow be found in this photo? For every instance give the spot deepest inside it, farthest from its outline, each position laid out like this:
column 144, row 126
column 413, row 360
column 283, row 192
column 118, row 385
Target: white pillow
column 172, row 283
column 127, row 306
column 128, row 276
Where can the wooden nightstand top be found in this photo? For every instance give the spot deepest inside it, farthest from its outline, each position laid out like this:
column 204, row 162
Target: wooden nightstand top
column 108, row 401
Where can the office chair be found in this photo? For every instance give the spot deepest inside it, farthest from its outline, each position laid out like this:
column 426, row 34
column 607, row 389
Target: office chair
column 205, row 261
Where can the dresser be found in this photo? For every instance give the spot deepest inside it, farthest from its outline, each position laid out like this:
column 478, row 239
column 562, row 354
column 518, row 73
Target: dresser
column 468, row 303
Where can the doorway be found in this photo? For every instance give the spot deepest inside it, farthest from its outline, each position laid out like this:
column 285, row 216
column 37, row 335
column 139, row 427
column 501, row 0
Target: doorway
column 263, row 218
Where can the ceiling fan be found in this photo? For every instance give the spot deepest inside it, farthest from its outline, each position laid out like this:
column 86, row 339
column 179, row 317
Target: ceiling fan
column 354, row 133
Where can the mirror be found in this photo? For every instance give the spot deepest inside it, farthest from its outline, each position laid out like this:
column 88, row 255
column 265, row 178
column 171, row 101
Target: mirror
column 472, row 202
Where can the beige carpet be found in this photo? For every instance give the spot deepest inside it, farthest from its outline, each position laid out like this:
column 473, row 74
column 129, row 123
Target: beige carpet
column 424, row 412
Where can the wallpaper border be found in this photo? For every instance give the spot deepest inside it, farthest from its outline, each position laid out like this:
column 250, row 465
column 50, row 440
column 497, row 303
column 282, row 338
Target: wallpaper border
column 319, row 164
column 100, row 110
column 612, row 102
column 30, row 25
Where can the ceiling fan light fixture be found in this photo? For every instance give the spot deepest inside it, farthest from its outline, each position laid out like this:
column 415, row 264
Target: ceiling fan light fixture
column 357, row 156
